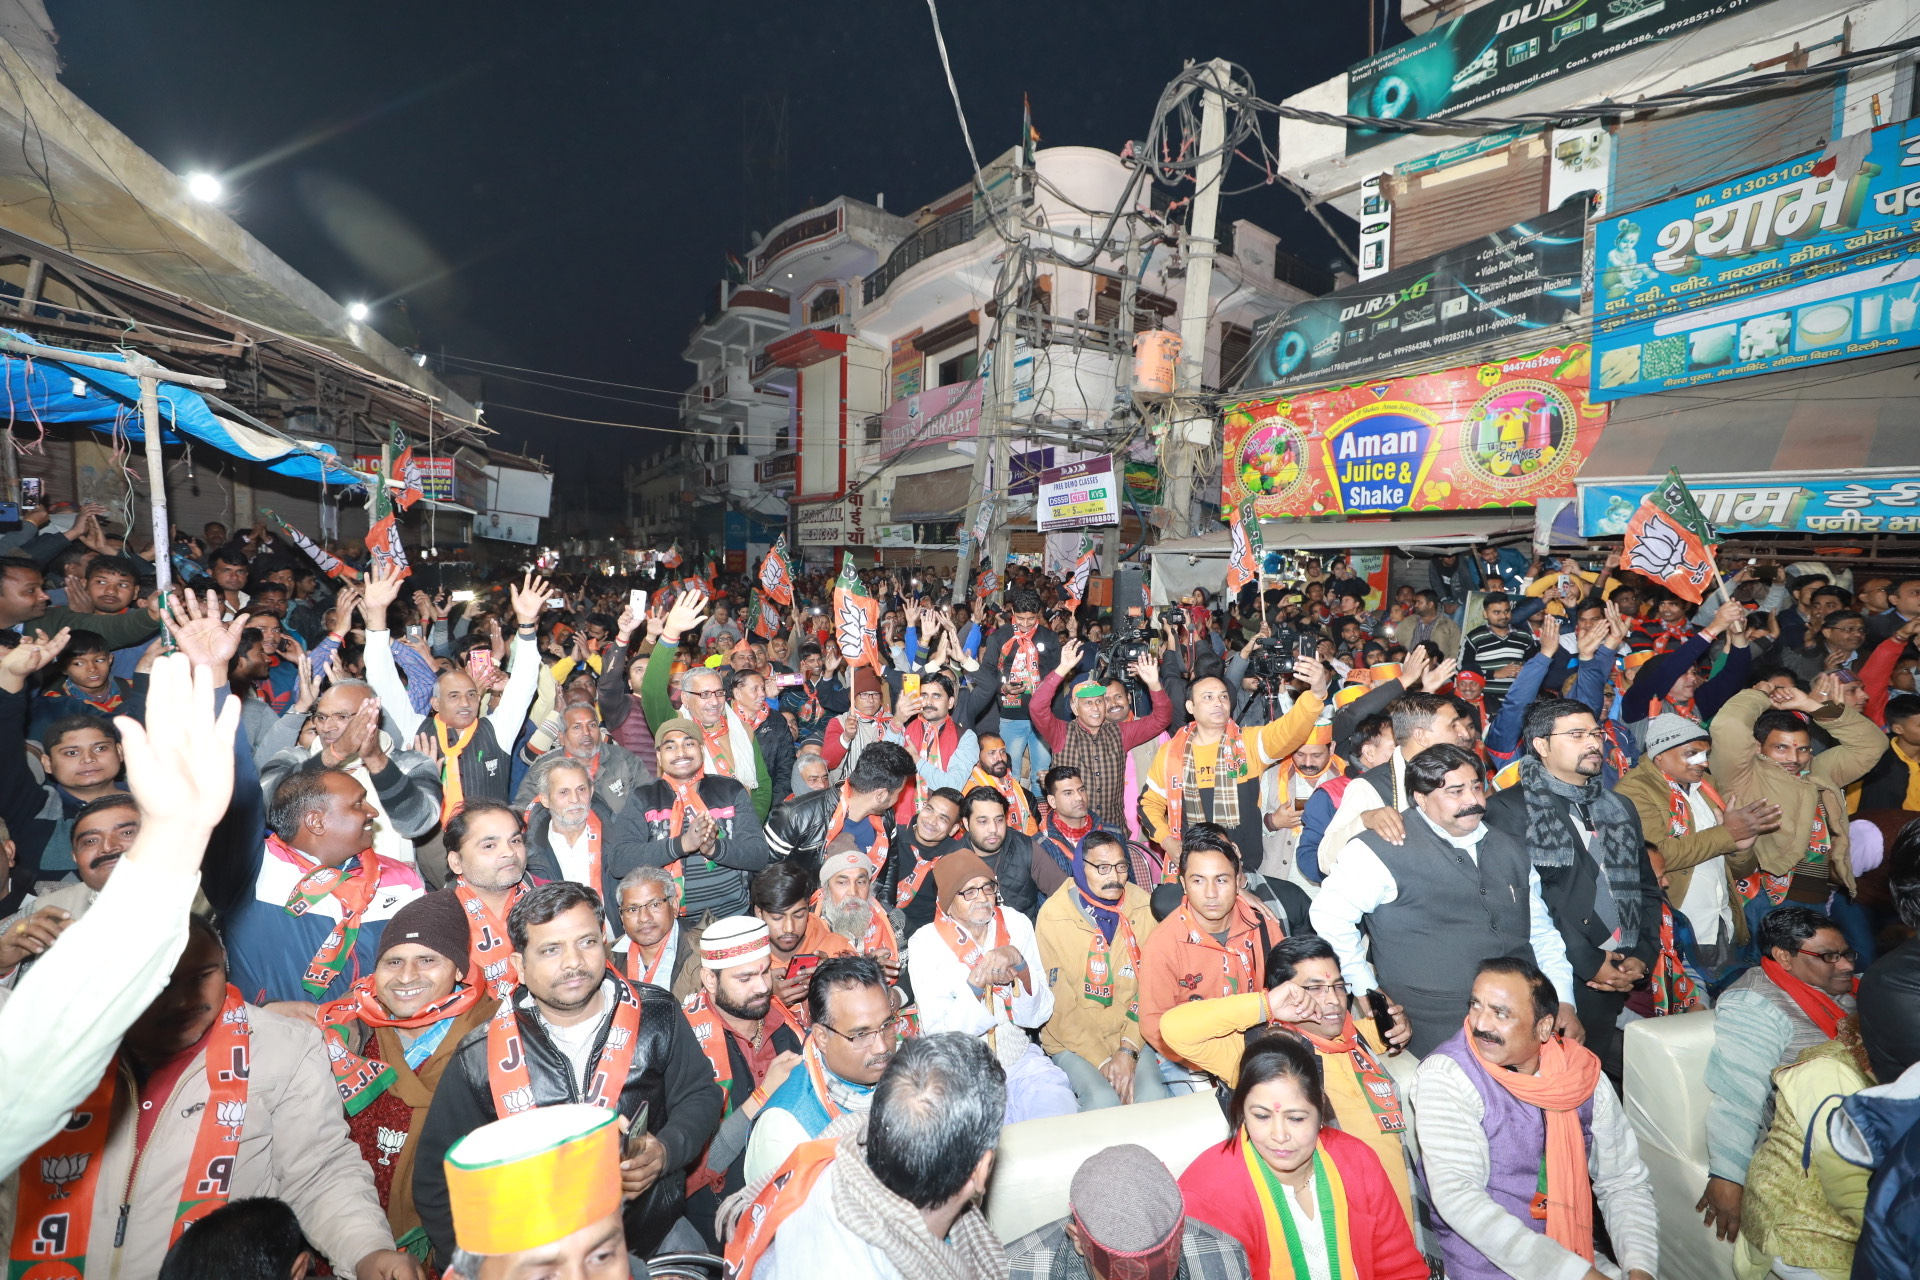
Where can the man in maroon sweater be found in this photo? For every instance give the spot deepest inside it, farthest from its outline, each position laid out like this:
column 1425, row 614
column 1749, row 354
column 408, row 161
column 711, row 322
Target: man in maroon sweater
column 1092, row 743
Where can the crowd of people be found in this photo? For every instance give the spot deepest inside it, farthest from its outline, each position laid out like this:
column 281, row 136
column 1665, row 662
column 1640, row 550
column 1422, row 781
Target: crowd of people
column 339, row 909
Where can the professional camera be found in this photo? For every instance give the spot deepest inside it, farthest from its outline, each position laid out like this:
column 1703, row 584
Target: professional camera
column 1120, row 650
column 1171, row 617
column 1272, row 659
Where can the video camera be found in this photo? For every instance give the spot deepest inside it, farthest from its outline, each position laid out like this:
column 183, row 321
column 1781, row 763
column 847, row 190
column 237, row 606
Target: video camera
column 1274, row 655
column 1123, row 648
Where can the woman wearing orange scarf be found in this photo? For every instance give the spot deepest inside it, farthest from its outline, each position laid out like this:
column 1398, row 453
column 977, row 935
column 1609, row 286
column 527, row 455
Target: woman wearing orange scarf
column 1306, row 1201
column 1519, row 1135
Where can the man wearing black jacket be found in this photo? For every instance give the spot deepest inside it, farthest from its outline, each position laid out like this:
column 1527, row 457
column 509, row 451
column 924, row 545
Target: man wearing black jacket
column 1595, row 878
column 1022, row 652
column 747, row 694
column 862, row 806
column 699, row 826
column 574, row 1019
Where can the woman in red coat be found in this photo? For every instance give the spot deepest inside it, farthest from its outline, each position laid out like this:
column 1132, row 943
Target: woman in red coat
column 1306, row 1201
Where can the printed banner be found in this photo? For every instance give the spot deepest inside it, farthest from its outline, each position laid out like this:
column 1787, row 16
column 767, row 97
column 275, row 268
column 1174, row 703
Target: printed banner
column 1868, row 504
column 936, row 416
column 1804, row 263
column 1511, row 45
column 1525, row 277
column 1077, row 495
column 1502, row 434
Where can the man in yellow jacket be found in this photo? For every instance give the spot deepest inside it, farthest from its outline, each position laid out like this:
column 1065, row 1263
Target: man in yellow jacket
column 1209, row 771
column 1090, row 933
column 1307, row 996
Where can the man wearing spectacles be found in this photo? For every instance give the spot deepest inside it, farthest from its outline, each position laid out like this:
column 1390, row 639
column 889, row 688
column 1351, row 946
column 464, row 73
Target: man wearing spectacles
column 1799, row 996
column 852, row 1034
column 1090, row 933
column 1308, row 996
column 1591, row 857
column 977, row 970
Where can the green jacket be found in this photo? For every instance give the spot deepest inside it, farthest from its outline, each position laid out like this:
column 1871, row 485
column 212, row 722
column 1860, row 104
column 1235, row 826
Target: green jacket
column 657, row 702
column 119, row 630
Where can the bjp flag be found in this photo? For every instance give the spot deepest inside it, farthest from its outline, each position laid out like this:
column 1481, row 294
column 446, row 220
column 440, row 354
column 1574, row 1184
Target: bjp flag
column 1670, row 540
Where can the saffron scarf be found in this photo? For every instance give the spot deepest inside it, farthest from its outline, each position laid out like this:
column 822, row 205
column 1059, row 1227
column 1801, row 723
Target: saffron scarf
column 451, row 794
column 711, row 1034
column 1097, row 985
column 512, row 1083
column 53, row 1222
column 876, row 853
column 1822, row 1008
column 1229, row 767
column 1024, row 672
column 937, row 747
column 362, row 1079
column 1568, row 1074
column 488, row 943
column 1019, row 808
column 1331, row 1216
column 637, row 972
column 998, row 999
column 354, row 889
column 1242, row 968
column 1383, row 1096
column 719, row 740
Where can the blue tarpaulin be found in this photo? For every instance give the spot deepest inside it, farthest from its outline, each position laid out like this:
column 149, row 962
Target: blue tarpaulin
column 42, row 389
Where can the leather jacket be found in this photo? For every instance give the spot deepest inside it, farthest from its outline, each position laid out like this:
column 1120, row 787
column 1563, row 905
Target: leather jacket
column 668, row 1073
column 797, row 830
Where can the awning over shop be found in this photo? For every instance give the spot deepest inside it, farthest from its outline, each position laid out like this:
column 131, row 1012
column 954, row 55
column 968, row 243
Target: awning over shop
column 932, row 495
column 1827, row 418
column 39, row 389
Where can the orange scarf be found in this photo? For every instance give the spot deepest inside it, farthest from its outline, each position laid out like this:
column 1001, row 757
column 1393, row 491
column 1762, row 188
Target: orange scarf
column 1568, row 1075
column 1019, row 811
column 1383, row 1096
column 451, row 795
column 354, row 889
column 1824, row 1011
column 512, row 1084
column 710, row 1032
column 1240, row 968
column 53, row 1222
column 878, row 939
column 998, row 999
column 876, row 852
column 488, row 944
column 719, row 743
column 362, row 1079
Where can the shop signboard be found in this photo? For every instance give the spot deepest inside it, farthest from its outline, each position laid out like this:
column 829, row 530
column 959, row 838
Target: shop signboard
column 938, row 415
column 1510, row 46
column 1506, row 433
column 436, row 473
column 1525, row 277
column 1803, row 263
column 1078, row 495
column 840, row 523
column 506, row 526
column 1768, row 504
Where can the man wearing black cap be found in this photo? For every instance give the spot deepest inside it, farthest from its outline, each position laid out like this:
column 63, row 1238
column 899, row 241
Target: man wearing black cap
column 1126, row 1217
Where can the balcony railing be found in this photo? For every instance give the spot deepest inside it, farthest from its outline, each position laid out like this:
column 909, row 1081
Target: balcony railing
column 949, row 232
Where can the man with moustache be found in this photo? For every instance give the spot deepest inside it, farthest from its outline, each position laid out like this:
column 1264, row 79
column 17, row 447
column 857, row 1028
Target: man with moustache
column 1090, row 932
column 751, row 1044
column 729, row 747
column 930, row 837
column 746, row 690
column 202, row 1081
column 567, row 830
column 403, row 786
column 699, row 826
column 846, row 905
column 1070, row 821
column 656, row 945
column 1520, row 1138
column 985, row 815
column 487, row 865
column 995, row 770
column 853, row 1032
column 945, row 751
column 1433, row 903
column 1091, row 743
column 575, row 1031
column 321, row 896
column 103, row 830
column 616, row 772
column 1595, row 877
column 391, row 1037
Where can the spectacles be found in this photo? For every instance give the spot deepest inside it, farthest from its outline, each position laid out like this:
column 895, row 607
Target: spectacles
column 989, row 890
column 1107, row 868
column 703, row 693
column 1580, row 735
column 1831, row 957
column 1327, row 989
column 878, row 1035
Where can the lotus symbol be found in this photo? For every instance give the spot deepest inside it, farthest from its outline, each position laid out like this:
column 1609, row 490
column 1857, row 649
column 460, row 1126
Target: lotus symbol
column 1661, row 552
column 617, row 1038
column 852, row 631
column 231, row 1115
column 518, row 1100
column 60, row 1170
column 389, row 1141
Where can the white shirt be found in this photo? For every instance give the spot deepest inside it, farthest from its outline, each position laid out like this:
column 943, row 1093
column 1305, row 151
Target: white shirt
column 573, row 855
column 947, row 1002
column 1359, row 799
column 1707, row 905
column 523, row 681
column 1360, row 883
column 1312, row 1232
column 813, row 1243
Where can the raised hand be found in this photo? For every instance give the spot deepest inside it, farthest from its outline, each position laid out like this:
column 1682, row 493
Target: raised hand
column 529, row 598
column 687, row 613
column 179, row 763
column 200, row 635
column 1436, row 680
column 1549, row 634
column 1314, row 673
column 1070, row 651
column 1147, row 669
column 381, row 590
column 30, row 655
column 1413, row 667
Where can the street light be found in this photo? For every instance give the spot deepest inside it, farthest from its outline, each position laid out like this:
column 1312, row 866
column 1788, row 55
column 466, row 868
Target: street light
column 205, row 187
column 357, row 311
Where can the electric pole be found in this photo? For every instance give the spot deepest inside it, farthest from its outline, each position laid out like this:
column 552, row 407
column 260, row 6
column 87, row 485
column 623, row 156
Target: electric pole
column 1192, row 427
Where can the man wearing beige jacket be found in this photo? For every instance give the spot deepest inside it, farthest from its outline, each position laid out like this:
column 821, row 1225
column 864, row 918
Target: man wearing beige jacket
column 1763, row 750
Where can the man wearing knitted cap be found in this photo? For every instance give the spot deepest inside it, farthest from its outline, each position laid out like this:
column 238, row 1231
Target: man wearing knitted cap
column 846, row 905
column 1704, row 846
column 868, row 721
column 977, row 969
column 390, row 1038
column 750, row 1042
column 1126, row 1217
column 699, row 826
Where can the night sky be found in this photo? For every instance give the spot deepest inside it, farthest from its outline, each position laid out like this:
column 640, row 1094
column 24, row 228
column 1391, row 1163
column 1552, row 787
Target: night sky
column 557, row 186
